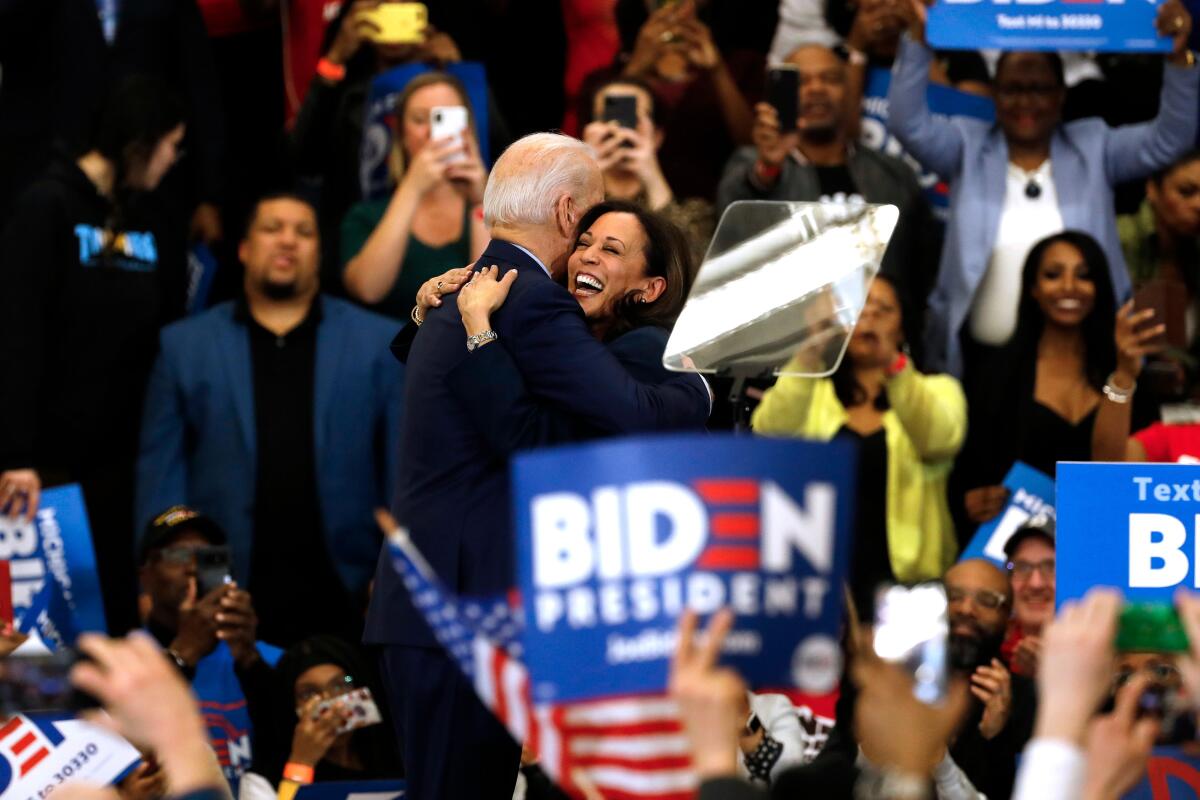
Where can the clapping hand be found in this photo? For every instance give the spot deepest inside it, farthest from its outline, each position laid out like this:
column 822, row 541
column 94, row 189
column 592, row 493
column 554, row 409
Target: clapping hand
column 992, row 686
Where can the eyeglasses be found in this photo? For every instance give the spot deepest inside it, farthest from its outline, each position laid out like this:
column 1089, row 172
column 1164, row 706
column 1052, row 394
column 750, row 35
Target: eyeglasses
column 1159, row 672
column 1034, row 91
column 984, row 598
column 334, row 688
column 1025, row 569
column 178, row 555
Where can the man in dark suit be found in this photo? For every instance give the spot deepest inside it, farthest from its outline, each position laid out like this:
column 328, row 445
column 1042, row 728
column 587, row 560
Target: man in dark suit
column 453, row 494
column 278, row 415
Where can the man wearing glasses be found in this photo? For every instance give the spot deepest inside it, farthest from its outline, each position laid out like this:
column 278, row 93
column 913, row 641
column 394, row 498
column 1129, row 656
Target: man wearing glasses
column 1030, row 555
column 210, row 635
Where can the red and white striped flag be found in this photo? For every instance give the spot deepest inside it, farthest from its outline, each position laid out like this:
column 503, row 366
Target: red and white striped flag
column 626, row 747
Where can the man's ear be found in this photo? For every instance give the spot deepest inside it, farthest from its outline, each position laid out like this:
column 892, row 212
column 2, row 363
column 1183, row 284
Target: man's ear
column 565, row 215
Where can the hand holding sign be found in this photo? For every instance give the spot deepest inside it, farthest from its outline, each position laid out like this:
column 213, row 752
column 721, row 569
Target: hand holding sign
column 1174, row 20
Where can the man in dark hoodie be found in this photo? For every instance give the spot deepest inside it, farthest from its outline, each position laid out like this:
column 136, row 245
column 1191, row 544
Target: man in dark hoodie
column 86, row 280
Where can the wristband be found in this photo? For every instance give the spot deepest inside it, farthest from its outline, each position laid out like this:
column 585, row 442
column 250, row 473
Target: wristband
column 297, row 773
column 478, row 213
column 1115, row 393
column 474, row 342
column 897, row 366
column 330, row 71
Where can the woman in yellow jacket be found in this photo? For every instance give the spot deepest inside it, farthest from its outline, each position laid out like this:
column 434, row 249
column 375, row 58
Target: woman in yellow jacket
column 908, row 427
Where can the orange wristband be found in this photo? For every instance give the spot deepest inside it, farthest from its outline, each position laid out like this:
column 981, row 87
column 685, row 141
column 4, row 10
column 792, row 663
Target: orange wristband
column 897, row 366
column 297, row 773
column 330, row 71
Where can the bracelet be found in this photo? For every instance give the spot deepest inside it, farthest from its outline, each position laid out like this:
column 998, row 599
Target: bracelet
column 474, row 342
column 416, row 316
column 1115, row 393
column 334, row 73
column 188, row 672
column 888, row 784
column 297, row 773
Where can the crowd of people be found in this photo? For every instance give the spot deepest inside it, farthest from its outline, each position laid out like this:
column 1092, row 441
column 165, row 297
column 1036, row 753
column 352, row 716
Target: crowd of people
column 240, row 257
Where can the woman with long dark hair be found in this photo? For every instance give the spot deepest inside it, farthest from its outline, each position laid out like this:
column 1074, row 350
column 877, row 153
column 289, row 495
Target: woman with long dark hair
column 87, row 277
column 1035, row 401
column 908, row 427
column 630, row 271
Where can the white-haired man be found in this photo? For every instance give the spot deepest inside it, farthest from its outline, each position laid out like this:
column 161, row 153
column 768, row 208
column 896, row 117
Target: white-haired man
column 453, row 493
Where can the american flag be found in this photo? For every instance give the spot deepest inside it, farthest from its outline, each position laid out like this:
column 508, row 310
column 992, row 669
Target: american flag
column 626, row 747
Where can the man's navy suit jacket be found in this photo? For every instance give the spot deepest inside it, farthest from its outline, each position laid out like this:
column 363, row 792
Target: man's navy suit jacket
column 453, row 490
column 199, row 437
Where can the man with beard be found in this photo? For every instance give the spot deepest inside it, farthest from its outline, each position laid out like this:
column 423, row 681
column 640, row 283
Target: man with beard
column 999, row 723
column 278, row 414
column 816, row 159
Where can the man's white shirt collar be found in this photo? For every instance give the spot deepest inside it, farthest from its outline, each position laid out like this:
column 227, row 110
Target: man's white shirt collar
column 536, row 260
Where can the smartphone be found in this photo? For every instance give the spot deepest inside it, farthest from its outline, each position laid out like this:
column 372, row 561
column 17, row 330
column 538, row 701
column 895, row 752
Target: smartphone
column 911, row 629
column 1169, row 300
column 361, row 706
column 1150, row 628
column 212, row 569
column 40, row 684
column 448, row 121
column 1176, row 723
column 621, row 109
column 397, row 23
column 783, row 92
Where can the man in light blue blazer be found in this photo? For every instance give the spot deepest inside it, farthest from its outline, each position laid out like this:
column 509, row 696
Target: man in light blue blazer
column 278, row 415
column 1079, row 163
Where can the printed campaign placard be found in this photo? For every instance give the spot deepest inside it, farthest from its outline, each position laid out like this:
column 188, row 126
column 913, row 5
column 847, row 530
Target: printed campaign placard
column 1171, row 774
column 1103, row 25
column 944, row 103
column 616, row 539
column 1132, row 526
column 374, row 179
column 1029, row 493
column 52, row 569
column 40, row 752
column 352, row 790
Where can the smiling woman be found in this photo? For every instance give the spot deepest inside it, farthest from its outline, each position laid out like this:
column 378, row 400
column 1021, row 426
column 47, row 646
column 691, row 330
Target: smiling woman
column 1036, row 399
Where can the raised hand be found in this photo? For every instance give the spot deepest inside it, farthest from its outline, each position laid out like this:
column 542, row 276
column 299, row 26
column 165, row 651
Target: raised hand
column 711, row 698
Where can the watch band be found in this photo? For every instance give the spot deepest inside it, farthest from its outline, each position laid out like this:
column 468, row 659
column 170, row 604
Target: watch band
column 473, row 342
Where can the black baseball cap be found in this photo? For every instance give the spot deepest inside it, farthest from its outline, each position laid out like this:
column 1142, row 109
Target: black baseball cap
column 174, row 522
column 1039, row 525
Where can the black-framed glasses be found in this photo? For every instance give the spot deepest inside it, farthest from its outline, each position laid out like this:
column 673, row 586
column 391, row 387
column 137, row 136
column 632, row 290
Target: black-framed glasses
column 984, row 598
column 1025, row 569
column 1162, row 673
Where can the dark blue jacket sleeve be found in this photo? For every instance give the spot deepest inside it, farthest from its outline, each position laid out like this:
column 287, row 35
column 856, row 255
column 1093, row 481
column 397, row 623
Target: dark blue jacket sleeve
column 566, row 368
column 490, row 385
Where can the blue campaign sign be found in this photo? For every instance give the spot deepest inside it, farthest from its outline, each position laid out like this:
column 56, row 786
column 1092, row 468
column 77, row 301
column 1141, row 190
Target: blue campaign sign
column 616, row 539
column 374, row 178
column 1171, row 774
column 944, row 103
column 1104, row 25
column 1029, row 493
column 352, row 790
column 55, row 589
column 1132, row 526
